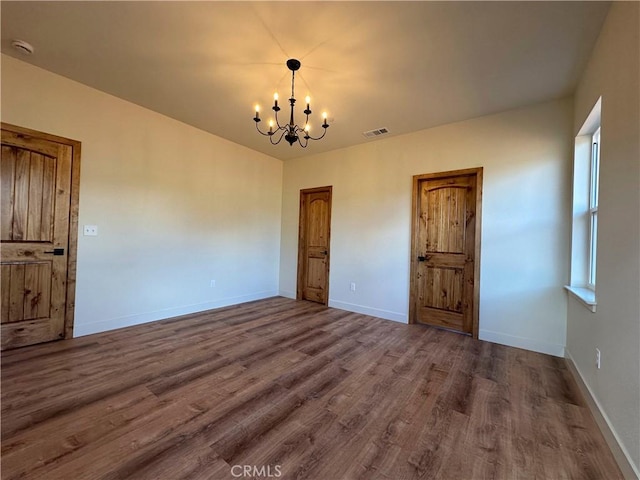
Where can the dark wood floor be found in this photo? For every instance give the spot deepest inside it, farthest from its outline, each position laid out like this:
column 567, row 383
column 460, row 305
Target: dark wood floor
column 300, row 389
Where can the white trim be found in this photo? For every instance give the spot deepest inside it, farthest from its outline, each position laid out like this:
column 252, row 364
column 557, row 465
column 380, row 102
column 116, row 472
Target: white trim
column 584, row 229
column 352, row 307
column 374, row 312
column 80, row 329
column 586, row 295
column 521, row 342
column 592, row 123
column 621, row 455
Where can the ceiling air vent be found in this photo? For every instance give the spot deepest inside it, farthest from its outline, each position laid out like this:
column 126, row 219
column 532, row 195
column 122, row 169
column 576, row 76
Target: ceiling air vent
column 22, row 46
column 375, row 133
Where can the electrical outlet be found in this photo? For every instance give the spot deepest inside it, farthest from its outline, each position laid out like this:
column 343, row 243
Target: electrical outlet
column 353, row 286
column 90, row 231
column 212, row 284
column 597, row 358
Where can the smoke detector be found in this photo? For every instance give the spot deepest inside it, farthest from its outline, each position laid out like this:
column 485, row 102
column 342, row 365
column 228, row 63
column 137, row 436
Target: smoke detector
column 23, row 47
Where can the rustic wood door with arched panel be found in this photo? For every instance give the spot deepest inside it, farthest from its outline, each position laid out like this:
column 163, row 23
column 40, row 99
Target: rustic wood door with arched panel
column 445, row 263
column 313, row 245
column 38, row 232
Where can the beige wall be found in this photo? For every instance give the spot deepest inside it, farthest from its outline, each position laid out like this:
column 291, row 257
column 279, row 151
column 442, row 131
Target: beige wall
column 175, row 207
column 613, row 73
column 526, row 155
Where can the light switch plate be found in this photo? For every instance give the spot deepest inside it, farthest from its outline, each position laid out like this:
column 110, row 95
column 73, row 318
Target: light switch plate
column 90, row 230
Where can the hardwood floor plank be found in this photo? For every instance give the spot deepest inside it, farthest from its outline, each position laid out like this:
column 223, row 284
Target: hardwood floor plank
column 375, row 411
column 97, row 460
column 319, row 393
column 52, row 441
column 197, row 460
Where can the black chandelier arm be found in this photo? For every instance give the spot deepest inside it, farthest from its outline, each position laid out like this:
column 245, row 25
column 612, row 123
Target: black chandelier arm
column 298, row 131
column 279, row 138
column 324, row 127
column 277, row 124
column 306, row 141
column 277, row 109
column 258, row 128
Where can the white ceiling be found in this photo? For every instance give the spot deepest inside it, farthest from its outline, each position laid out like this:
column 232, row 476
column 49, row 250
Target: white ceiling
column 405, row 66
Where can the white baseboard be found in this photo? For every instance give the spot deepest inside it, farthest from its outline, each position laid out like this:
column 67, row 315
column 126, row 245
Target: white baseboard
column 352, row 307
column 488, row 335
column 622, row 457
column 522, row 342
column 374, row 312
column 81, row 329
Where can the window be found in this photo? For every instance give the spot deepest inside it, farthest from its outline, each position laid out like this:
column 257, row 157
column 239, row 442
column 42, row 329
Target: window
column 584, row 228
column 594, row 174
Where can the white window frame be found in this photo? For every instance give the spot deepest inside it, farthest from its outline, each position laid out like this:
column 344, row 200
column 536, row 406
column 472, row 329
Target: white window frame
column 584, row 228
column 594, row 182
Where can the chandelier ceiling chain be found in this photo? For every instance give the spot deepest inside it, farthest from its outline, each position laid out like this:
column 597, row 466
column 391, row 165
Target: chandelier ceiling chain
column 291, row 132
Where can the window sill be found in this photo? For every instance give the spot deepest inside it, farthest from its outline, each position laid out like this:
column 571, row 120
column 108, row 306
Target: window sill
column 585, row 295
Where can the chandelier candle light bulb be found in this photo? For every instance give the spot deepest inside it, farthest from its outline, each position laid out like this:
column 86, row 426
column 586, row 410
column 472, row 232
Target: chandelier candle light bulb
column 291, row 132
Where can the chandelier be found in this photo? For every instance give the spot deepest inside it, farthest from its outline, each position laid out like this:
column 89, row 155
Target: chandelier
column 291, row 132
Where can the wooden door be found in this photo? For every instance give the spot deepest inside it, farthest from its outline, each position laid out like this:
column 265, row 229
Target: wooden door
column 446, row 250
column 313, row 244
column 37, row 215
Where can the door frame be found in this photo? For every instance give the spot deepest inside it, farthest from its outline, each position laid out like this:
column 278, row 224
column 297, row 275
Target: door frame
column 415, row 224
column 72, row 247
column 301, row 223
